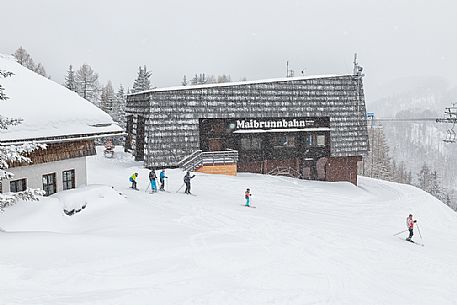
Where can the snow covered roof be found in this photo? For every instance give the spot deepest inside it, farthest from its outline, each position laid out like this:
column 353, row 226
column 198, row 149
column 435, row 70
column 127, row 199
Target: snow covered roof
column 250, row 82
column 48, row 109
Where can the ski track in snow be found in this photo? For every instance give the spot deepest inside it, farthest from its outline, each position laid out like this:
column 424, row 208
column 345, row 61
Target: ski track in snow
column 307, row 242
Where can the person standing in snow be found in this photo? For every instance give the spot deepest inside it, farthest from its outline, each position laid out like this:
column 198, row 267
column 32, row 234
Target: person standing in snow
column 187, row 178
column 247, row 196
column 152, row 180
column 410, row 224
column 133, row 180
column 162, row 180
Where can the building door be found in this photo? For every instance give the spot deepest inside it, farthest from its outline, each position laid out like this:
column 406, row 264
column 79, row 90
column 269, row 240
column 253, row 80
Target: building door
column 309, row 170
column 129, row 131
column 139, row 142
column 215, row 144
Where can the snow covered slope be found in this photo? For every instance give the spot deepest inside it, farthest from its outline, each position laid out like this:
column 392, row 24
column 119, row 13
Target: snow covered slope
column 47, row 108
column 305, row 243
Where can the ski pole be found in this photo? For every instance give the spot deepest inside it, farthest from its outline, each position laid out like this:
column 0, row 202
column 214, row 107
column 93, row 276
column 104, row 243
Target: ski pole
column 400, row 232
column 419, row 230
column 180, row 188
column 147, row 188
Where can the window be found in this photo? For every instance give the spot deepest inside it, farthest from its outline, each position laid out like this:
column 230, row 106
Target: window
column 315, row 140
column 251, row 143
column 309, row 139
column 49, row 184
column 19, row 185
column 320, row 140
column 283, row 141
column 68, row 179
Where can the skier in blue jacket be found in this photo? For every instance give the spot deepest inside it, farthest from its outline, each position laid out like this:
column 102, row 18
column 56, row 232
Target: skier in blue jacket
column 152, row 179
column 162, row 180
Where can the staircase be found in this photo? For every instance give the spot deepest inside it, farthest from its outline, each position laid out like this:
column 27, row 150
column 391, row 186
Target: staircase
column 200, row 158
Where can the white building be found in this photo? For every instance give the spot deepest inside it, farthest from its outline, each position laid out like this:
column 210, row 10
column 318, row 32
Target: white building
column 55, row 116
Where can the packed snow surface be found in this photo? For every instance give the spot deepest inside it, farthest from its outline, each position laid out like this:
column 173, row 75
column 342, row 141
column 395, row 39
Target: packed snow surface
column 305, row 242
column 47, row 108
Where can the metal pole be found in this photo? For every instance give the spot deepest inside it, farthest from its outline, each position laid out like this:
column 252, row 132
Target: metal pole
column 400, row 232
column 418, row 230
column 180, row 188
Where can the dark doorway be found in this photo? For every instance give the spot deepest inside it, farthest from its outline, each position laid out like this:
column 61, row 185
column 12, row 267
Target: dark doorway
column 215, row 144
column 139, row 147
column 129, row 131
column 309, row 169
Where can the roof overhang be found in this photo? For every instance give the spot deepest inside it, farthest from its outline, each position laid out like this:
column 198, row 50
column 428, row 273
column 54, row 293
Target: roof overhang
column 63, row 139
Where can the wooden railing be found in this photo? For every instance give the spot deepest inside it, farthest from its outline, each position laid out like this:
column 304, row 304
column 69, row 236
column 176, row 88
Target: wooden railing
column 285, row 171
column 201, row 158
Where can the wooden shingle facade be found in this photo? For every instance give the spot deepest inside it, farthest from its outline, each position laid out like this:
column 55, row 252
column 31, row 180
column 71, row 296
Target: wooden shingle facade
column 169, row 119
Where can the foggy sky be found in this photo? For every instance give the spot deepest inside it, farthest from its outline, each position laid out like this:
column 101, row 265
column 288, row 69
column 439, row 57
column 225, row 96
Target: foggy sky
column 251, row 39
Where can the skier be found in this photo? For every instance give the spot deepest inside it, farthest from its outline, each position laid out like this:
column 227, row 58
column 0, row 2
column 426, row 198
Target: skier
column 162, row 180
column 187, row 178
column 152, row 180
column 410, row 224
column 247, row 196
column 133, row 180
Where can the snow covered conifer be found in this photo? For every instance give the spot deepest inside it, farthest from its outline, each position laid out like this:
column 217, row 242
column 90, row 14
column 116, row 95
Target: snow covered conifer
column 40, row 70
column 87, row 83
column 184, row 81
column 424, row 178
column 70, row 81
column 194, row 80
column 142, row 82
column 107, row 98
column 2, row 94
column 211, row 79
column 377, row 164
column 118, row 112
column 202, row 79
column 224, row 78
column 435, row 187
column 24, row 58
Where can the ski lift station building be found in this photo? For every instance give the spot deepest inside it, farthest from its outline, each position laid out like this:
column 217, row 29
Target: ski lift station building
column 312, row 127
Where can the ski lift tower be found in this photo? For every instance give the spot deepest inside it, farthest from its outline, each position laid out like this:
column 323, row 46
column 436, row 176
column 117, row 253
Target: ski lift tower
column 450, row 117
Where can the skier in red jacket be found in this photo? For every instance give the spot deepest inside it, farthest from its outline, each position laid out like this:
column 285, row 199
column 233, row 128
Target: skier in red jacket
column 247, row 196
column 410, row 224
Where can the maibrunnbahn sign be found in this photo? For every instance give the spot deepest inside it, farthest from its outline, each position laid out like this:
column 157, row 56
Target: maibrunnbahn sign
column 284, row 123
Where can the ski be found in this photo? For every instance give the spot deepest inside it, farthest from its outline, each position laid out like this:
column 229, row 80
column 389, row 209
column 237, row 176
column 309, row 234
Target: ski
column 413, row 242
column 249, row 206
column 189, row 194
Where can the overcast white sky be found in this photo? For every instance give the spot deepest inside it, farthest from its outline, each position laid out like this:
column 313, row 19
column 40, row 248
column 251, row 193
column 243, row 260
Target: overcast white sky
column 251, row 39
